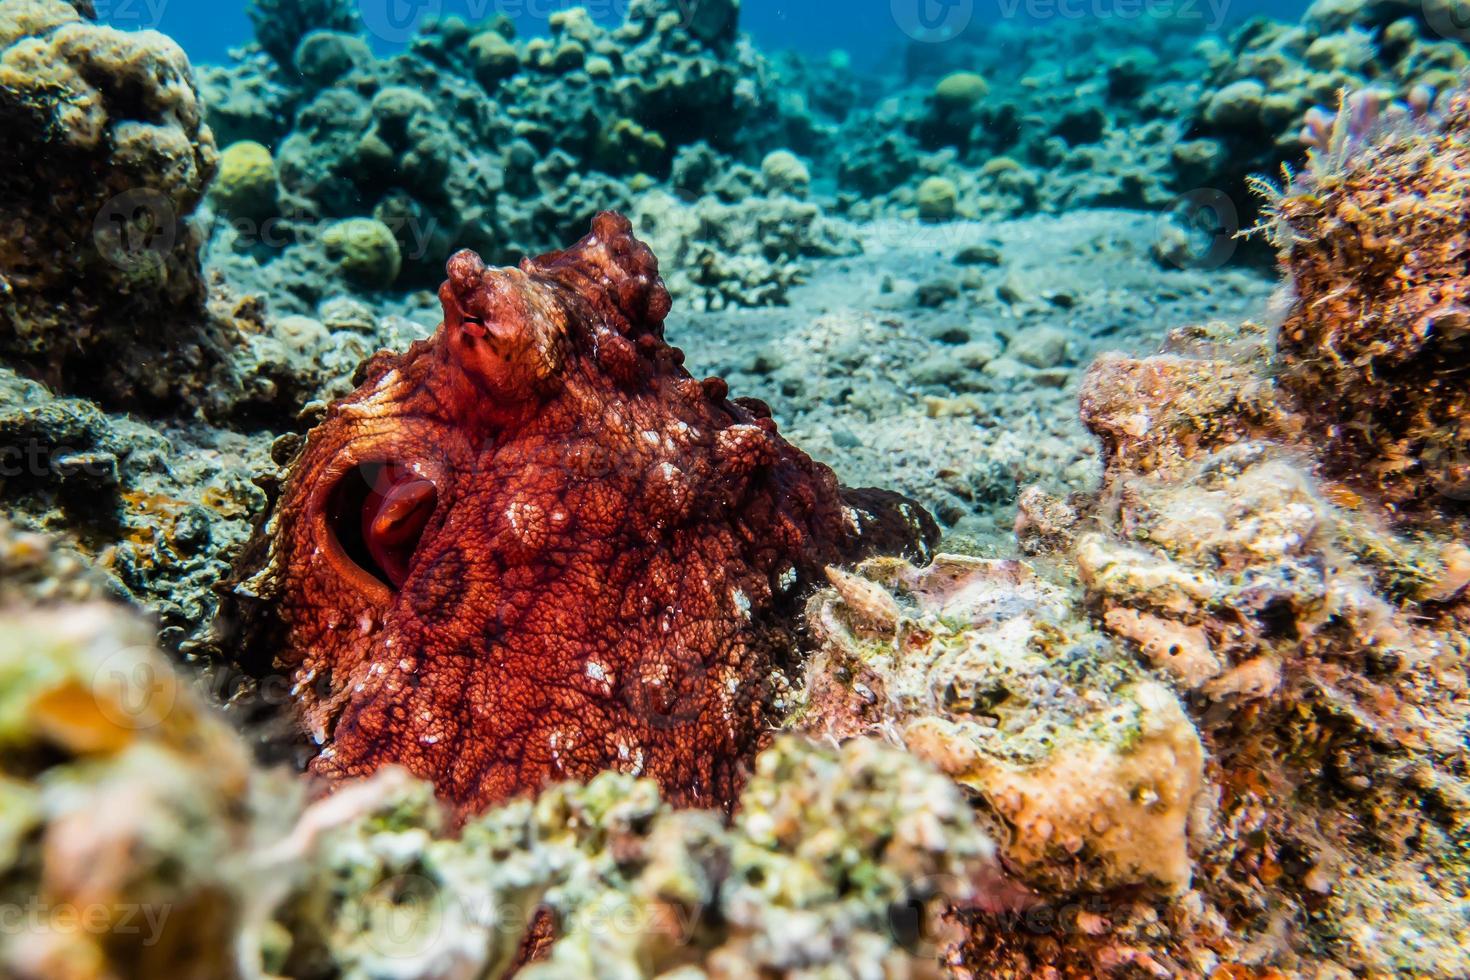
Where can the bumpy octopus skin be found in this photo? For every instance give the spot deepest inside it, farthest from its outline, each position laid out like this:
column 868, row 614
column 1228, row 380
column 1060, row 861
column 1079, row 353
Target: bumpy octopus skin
column 533, row 547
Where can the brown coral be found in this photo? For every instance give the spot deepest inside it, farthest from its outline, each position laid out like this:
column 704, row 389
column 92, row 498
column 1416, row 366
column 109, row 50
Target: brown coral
column 1376, row 345
column 104, row 158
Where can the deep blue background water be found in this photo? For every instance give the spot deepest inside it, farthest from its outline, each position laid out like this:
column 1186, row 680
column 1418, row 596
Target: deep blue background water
column 867, row 29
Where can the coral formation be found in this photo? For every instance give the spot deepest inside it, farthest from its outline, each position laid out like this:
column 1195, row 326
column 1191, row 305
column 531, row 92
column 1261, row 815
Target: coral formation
column 246, row 183
column 99, row 273
column 1376, row 341
column 1268, row 75
column 535, row 547
column 281, row 25
column 154, row 510
column 1224, row 678
column 366, row 251
column 140, row 841
column 936, row 199
column 987, row 671
column 123, row 827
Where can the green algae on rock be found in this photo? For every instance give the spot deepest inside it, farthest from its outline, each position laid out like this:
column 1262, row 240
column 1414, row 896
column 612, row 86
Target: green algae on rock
column 994, row 675
column 108, row 247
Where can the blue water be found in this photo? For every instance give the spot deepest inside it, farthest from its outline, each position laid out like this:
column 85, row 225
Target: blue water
column 866, row 29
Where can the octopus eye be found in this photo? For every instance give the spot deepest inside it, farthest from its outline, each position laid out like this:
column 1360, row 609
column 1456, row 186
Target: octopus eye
column 378, row 513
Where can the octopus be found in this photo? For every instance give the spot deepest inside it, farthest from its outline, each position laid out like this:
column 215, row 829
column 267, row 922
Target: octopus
column 534, row 547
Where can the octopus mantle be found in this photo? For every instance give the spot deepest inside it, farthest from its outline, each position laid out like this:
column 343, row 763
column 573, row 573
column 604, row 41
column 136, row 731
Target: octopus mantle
column 533, row 547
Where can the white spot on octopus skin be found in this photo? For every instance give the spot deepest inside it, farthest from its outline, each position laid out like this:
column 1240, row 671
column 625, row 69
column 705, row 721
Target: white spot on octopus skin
column 596, row 671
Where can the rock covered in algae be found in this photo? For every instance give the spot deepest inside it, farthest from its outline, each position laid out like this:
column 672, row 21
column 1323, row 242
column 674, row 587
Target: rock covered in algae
column 990, row 672
column 141, row 841
column 1319, row 648
column 106, row 275
column 1375, row 345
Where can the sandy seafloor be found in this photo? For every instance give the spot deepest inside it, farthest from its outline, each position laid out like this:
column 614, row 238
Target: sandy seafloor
column 957, row 383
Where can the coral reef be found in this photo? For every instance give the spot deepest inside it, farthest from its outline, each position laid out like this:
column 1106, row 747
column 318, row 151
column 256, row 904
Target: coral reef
column 475, row 138
column 280, row 25
column 1224, row 677
column 154, row 511
column 1021, row 120
column 540, row 517
column 140, row 841
column 724, row 251
column 99, row 274
column 989, row 672
column 1268, row 75
column 1375, row 343
column 1200, row 709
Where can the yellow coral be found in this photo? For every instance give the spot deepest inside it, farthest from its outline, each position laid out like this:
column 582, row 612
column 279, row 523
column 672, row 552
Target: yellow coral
column 246, row 183
column 960, row 90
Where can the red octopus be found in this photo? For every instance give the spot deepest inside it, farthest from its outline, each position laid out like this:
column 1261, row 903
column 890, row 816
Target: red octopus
column 533, row 547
